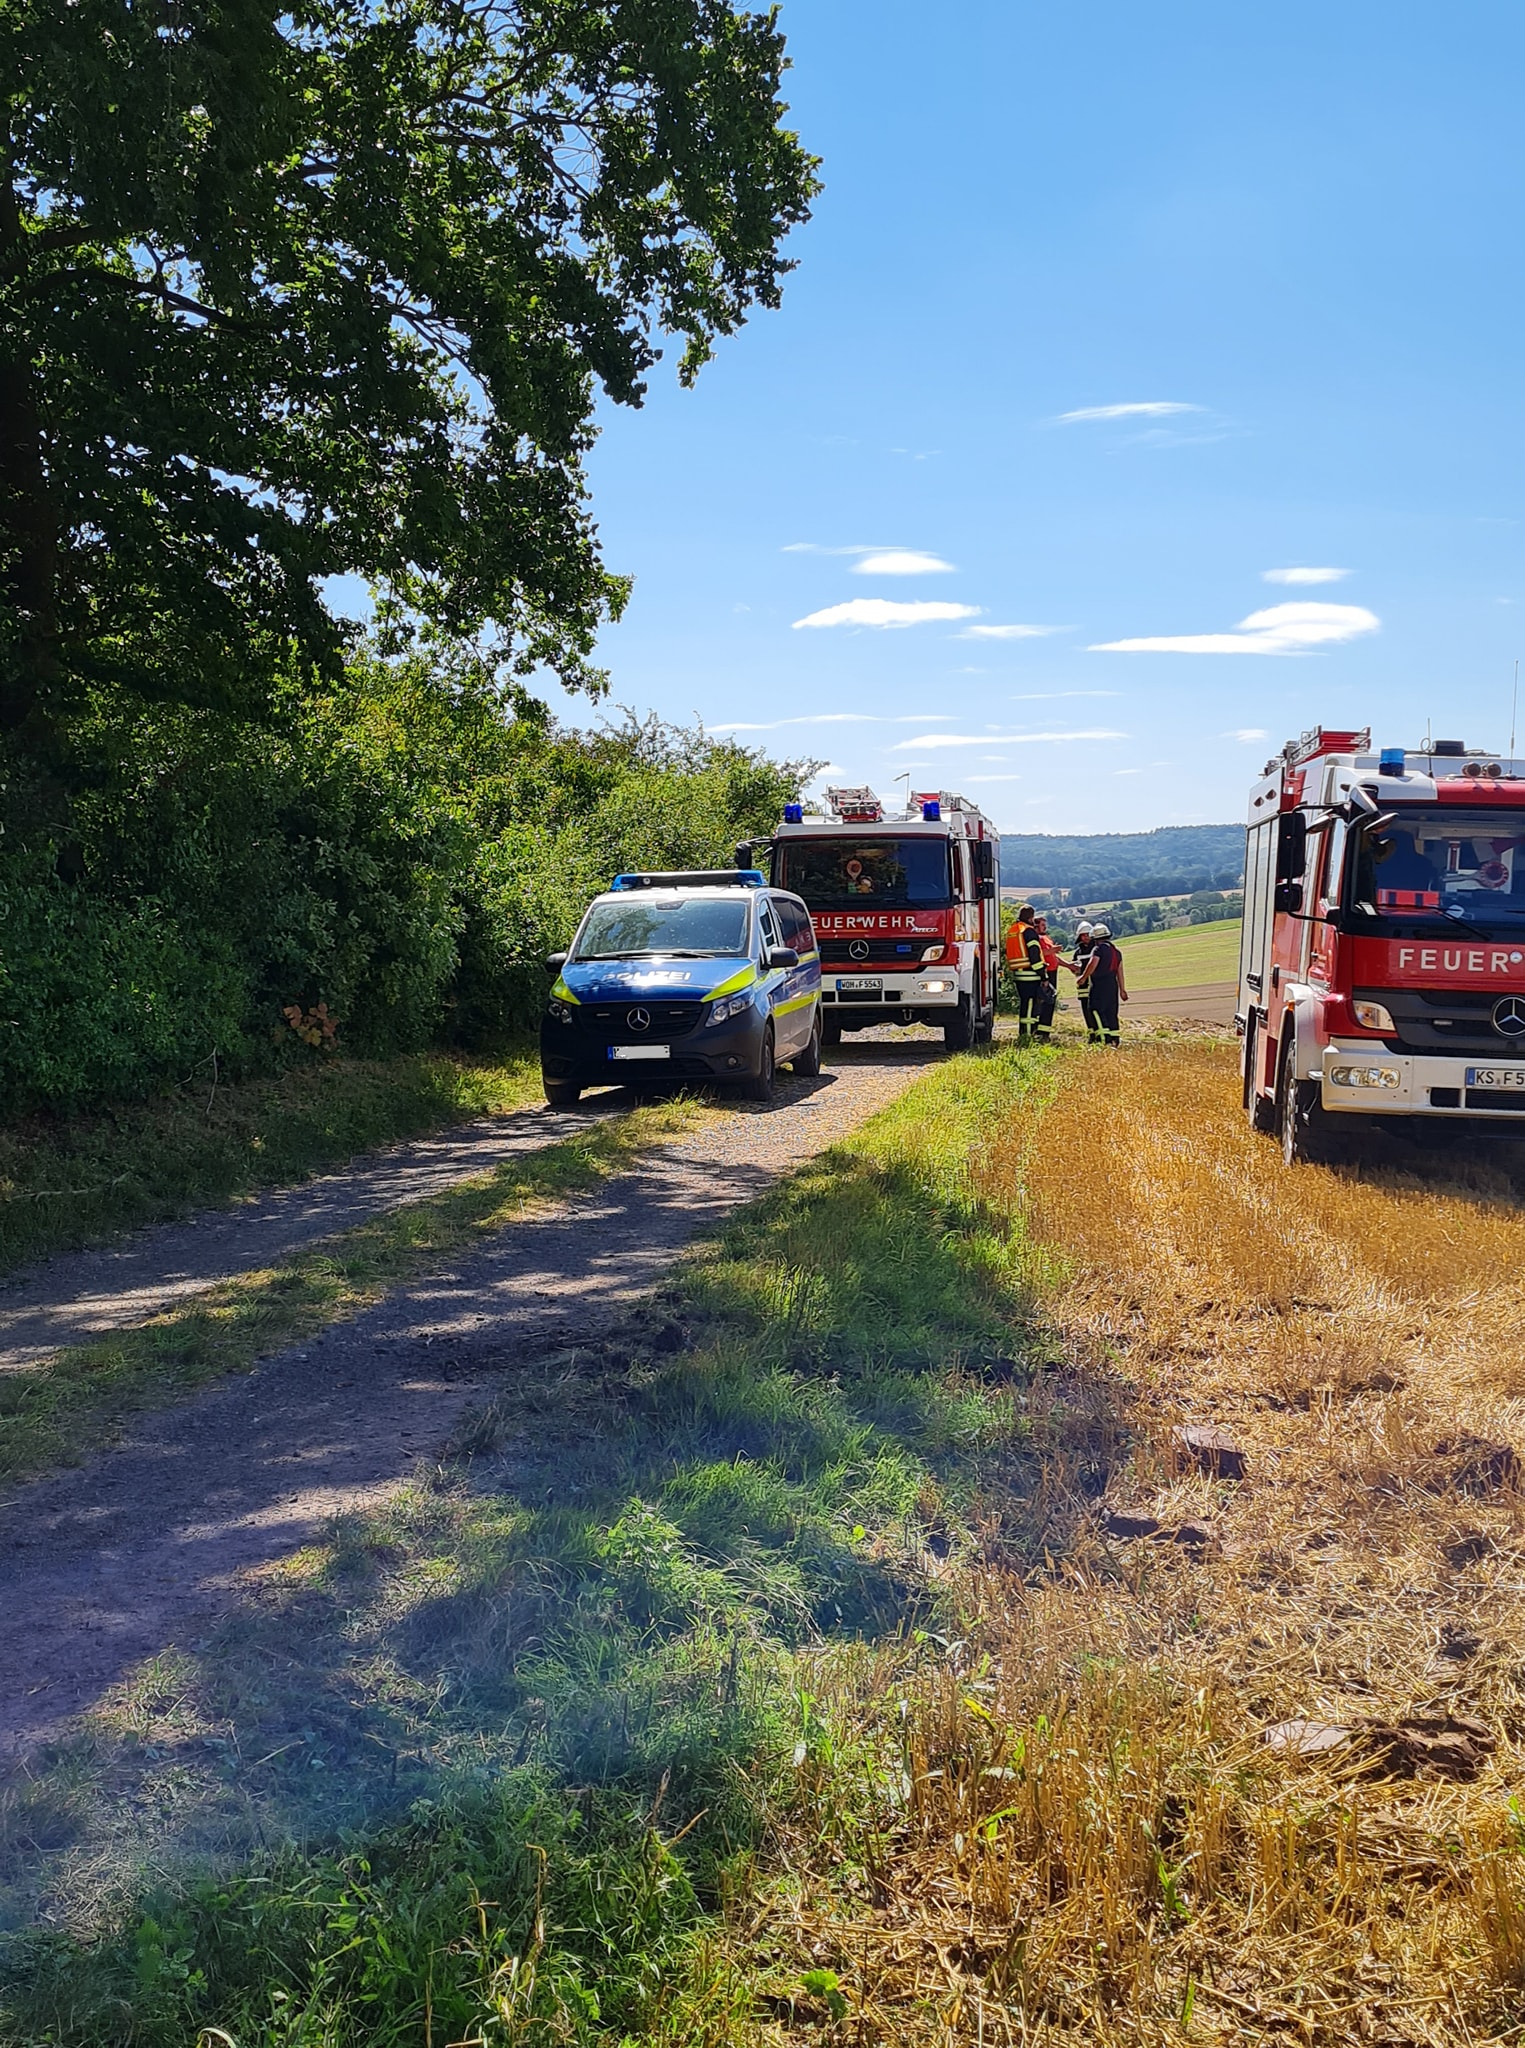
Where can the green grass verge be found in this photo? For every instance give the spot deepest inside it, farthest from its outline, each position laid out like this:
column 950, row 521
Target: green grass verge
column 1184, row 958
column 66, row 1182
column 544, row 1708
column 68, row 1406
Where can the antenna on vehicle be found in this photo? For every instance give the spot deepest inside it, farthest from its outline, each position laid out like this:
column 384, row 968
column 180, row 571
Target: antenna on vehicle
column 1514, row 706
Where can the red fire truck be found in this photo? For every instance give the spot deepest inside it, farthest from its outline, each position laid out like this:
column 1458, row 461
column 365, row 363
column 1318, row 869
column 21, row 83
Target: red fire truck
column 1382, row 963
column 906, row 910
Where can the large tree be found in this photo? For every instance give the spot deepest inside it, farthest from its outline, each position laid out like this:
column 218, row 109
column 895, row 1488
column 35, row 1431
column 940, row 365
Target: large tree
column 288, row 291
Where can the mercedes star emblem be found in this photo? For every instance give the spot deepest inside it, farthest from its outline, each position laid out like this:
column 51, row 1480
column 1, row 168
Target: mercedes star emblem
column 858, row 950
column 1509, row 1016
column 638, row 1020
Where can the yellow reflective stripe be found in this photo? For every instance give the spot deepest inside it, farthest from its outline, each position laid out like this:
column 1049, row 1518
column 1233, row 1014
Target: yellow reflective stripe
column 735, row 985
column 563, row 993
column 794, row 1003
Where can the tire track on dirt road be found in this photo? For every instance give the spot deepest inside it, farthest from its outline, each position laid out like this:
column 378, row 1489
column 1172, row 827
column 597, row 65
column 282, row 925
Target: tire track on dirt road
column 146, row 1546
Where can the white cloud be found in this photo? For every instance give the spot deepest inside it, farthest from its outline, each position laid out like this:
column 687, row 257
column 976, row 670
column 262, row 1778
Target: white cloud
column 881, row 611
column 902, row 562
column 1281, row 629
column 1140, row 409
column 982, row 739
column 814, row 718
column 1303, row 575
column 1008, row 632
column 1246, row 734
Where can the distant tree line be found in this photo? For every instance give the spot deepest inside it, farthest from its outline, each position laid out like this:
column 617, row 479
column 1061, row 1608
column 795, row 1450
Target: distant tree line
column 1103, row 867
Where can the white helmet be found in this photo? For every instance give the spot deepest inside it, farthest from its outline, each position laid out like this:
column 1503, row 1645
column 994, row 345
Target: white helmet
column 1101, row 931
column 1083, row 926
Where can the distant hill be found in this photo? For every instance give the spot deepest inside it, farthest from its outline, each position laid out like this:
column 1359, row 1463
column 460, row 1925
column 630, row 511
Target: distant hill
column 1100, row 866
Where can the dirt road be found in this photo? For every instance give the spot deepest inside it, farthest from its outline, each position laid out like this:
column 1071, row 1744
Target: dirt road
column 146, row 1546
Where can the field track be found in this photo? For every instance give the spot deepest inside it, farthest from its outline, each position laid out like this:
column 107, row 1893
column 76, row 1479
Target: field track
column 116, row 1560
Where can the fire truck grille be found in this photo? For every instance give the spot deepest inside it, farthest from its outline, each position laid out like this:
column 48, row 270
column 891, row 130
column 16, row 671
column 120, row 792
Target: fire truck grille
column 610, row 1023
column 1440, row 1020
column 872, row 951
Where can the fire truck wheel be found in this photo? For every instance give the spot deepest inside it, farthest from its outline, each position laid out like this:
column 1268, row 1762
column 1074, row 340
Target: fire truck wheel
column 758, row 1087
column 831, row 1030
column 808, row 1061
column 984, row 1030
column 958, row 1032
column 1299, row 1115
column 562, row 1094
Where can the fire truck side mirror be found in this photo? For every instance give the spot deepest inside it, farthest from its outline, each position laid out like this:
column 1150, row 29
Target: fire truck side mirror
column 1288, row 897
column 984, row 889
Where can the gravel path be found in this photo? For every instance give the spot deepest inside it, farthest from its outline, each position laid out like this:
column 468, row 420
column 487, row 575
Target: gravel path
column 145, row 1546
column 82, row 1295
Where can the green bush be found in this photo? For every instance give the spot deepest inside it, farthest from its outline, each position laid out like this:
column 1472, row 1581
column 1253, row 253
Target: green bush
column 401, row 848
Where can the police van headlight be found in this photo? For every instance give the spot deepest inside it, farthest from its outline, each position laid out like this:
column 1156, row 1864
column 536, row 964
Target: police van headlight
column 561, row 1011
column 732, row 1006
column 1365, row 1077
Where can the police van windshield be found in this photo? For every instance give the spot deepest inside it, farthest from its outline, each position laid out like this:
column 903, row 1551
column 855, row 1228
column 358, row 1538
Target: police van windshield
column 693, row 928
column 833, row 872
column 1451, row 867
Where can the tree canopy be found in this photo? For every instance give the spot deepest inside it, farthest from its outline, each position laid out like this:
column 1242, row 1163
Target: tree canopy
column 292, row 291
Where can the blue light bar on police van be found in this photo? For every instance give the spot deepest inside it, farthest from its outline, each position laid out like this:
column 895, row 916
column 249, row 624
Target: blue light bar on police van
column 694, row 878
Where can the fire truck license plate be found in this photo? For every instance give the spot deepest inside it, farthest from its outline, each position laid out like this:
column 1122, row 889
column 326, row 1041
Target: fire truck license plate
column 640, row 1052
column 1496, row 1077
column 860, row 983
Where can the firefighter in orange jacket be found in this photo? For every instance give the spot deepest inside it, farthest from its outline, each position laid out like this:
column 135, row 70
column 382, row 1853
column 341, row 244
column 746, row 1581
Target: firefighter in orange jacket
column 1024, row 959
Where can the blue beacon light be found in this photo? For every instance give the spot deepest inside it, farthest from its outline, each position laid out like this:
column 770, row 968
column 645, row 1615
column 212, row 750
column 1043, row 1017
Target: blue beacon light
column 794, row 814
column 932, row 811
column 1391, row 760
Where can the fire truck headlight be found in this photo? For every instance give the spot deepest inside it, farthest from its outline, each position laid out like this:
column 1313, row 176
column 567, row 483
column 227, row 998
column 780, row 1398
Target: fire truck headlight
column 933, row 953
column 1365, row 1077
column 936, row 988
column 1373, row 1016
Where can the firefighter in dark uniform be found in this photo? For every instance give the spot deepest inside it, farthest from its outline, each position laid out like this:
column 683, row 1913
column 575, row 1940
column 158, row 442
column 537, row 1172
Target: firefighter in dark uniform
column 1024, row 957
column 1078, row 967
column 1104, row 979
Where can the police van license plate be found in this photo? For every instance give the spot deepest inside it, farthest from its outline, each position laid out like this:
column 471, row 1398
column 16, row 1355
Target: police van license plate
column 1496, row 1077
column 859, row 984
column 640, row 1052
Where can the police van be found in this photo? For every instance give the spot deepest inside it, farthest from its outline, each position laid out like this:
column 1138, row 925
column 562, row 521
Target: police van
column 709, row 975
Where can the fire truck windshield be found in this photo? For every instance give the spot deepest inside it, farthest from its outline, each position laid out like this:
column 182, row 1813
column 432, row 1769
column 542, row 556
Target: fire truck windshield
column 837, row 873
column 1429, row 864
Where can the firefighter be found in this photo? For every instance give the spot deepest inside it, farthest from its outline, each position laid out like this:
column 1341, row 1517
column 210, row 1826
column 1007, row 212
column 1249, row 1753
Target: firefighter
column 1104, row 979
column 1078, row 967
column 1024, row 959
column 1048, row 1001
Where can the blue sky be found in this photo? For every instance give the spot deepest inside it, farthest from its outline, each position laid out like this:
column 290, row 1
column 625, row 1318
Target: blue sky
column 1300, row 227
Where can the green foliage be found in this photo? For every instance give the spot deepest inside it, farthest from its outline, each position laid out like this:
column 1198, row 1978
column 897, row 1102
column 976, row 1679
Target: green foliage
column 1100, row 867
column 395, row 847
column 289, row 292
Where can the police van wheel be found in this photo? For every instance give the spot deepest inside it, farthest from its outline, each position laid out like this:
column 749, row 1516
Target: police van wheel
column 958, row 1032
column 758, row 1087
column 562, row 1094
column 808, row 1060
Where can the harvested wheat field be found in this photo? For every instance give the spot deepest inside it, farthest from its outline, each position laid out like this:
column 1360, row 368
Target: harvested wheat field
column 1229, row 1747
